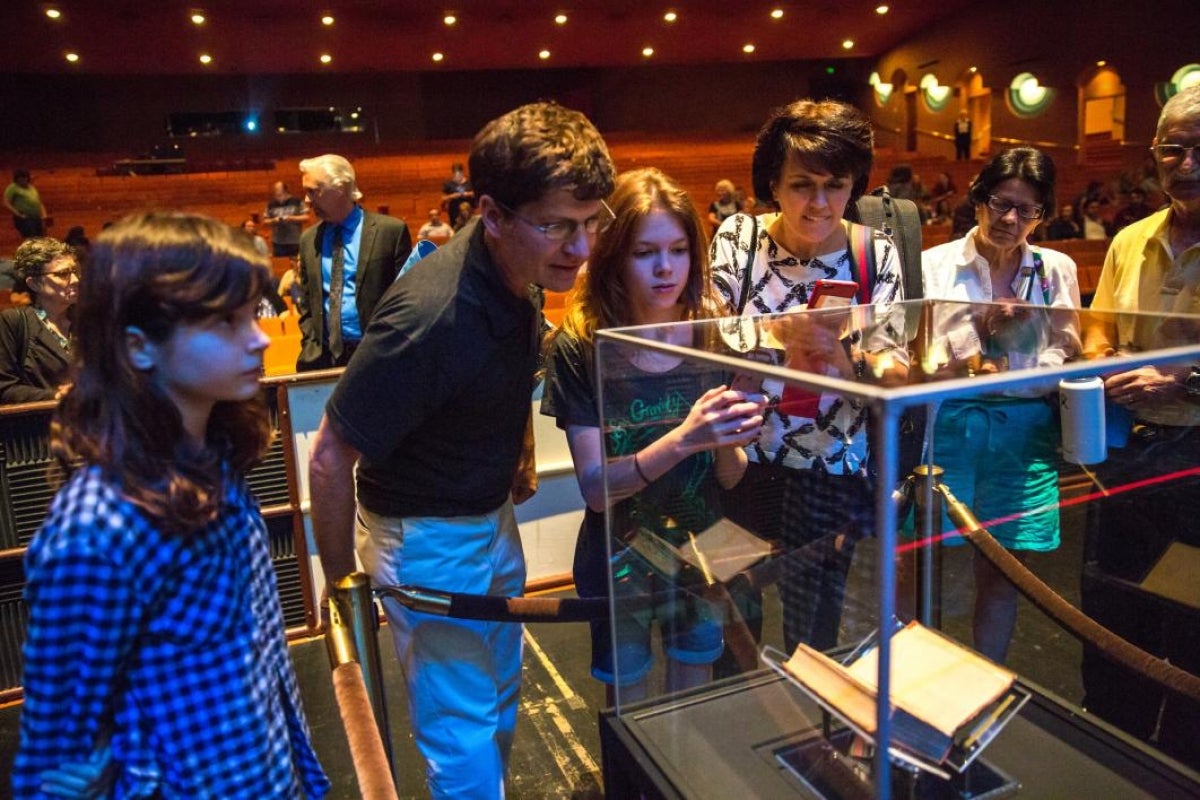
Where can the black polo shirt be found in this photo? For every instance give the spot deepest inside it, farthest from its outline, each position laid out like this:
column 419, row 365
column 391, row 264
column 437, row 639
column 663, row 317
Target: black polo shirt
column 437, row 396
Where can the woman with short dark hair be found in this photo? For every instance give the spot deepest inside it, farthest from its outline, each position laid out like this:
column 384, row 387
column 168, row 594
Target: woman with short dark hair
column 999, row 452
column 35, row 340
column 811, row 160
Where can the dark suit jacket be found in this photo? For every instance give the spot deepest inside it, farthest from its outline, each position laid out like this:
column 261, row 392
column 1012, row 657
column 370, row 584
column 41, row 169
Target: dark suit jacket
column 385, row 246
column 32, row 362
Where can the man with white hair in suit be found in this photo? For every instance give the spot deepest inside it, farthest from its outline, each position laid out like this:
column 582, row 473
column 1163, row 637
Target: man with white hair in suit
column 347, row 261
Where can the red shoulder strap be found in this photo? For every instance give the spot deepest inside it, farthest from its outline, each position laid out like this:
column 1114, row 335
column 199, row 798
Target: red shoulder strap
column 862, row 253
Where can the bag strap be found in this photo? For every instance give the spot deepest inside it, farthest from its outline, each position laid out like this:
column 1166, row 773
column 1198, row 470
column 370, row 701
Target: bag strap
column 747, row 274
column 862, row 259
column 903, row 225
column 24, row 339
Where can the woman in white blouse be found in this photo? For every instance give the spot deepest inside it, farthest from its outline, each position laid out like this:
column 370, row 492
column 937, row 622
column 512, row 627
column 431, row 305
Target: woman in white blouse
column 999, row 451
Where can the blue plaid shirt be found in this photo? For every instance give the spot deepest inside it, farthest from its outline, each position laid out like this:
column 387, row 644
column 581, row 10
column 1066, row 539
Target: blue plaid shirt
column 174, row 645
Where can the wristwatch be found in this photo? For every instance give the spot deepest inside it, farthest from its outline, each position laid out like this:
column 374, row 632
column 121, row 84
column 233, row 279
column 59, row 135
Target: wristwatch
column 1191, row 384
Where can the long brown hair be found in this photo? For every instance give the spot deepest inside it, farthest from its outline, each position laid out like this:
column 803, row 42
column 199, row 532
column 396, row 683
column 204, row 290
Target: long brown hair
column 599, row 299
column 154, row 271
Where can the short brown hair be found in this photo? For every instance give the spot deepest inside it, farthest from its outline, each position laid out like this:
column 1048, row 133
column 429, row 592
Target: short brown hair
column 828, row 136
column 518, row 157
column 34, row 255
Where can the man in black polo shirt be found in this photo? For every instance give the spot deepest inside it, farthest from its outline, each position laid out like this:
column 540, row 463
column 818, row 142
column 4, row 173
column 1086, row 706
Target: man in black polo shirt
column 433, row 409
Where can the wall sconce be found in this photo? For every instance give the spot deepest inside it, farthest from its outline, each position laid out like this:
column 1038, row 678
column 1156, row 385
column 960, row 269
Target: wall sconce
column 883, row 91
column 1185, row 77
column 1026, row 97
column 936, row 96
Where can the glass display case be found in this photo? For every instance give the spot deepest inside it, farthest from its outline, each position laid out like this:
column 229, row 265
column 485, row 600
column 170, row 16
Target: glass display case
column 923, row 475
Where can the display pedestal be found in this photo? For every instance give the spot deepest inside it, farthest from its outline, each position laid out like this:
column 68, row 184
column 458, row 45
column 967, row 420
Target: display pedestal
column 831, row 770
column 726, row 741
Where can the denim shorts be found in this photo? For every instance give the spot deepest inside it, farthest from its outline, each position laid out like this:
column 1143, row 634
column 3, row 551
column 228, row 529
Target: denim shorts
column 691, row 627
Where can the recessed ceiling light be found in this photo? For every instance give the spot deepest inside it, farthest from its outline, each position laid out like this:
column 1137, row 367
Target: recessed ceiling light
column 881, row 9
column 437, row 56
column 847, row 44
column 53, row 13
column 205, row 58
column 327, row 19
column 449, row 19
column 1101, row 63
column 543, row 54
column 326, row 58
column 777, row 13
column 72, row 57
column 748, row 48
column 974, row 70
column 670, row 16
column 198, row 18
column 647, row 51
column 560, row 19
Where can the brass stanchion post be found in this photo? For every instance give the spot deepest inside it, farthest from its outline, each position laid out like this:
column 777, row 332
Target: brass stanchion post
column 928, row 518
column 353, row 601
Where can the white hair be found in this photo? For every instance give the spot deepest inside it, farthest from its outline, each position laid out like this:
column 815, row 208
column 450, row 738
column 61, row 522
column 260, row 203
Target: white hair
column 335, row 170
column 1184, row 105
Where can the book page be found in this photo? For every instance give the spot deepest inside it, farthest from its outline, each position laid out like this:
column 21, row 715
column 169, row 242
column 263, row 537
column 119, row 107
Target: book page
column 830, row 681
column 936, row 679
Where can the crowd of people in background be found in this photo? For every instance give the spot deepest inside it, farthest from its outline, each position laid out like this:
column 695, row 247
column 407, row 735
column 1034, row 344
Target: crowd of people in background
column 543, row 200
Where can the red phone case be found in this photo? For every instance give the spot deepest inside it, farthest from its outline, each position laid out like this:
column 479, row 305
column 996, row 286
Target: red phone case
column 827, row 292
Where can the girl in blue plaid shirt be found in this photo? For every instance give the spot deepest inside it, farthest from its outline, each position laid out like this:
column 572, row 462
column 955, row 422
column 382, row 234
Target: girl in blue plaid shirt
column 156, row 641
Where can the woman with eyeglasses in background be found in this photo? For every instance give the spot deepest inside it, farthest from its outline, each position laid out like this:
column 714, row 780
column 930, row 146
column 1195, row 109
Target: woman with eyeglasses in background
column 35, row 340
column 999, row 451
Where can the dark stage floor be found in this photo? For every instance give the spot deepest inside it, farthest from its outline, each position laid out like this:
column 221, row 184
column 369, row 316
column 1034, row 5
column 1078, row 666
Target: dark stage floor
column 557, row 755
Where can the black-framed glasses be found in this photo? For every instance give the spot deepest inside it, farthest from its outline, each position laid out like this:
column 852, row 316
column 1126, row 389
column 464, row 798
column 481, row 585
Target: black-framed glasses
column 1175, row 152
column 1001, row 206
column 65, row 274
column 565, row 229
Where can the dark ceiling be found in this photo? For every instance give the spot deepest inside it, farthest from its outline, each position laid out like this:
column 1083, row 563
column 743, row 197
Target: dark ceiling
column 252, row 37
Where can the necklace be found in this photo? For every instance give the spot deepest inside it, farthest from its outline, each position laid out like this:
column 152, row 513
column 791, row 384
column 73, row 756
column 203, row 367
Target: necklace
column 63, row 341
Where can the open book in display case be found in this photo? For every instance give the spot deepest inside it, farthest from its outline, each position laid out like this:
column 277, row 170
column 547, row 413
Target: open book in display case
column 696, row 572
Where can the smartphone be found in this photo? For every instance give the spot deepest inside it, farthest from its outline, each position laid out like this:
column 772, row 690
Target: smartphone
column 832, row 294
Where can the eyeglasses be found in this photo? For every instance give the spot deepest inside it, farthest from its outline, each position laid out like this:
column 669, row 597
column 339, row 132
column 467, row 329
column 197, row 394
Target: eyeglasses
column 565, row 229
column 1175, row 152
column 65, row 274
column 1001, row 206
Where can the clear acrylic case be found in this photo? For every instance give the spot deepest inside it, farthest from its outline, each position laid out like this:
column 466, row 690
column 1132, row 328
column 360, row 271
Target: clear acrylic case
column 679, row 577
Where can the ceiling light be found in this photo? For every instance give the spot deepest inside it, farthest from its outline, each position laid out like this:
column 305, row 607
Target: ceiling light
column 748, row 48
column 437, row 56
column 973, row 70
column 777, row 13
column 543, row 54
column 327, row 19
column 72, row 57
column 326, row 58
column 205, row 58
column 1101, row 63
column 647, row 51
column 561, row 19
column 449, row 19
column 53, row 13
column 881, row 9
column 670, row 16
column 198, row 18
column 848, row 44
